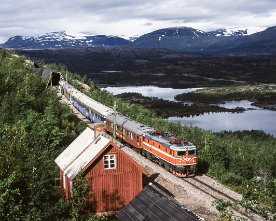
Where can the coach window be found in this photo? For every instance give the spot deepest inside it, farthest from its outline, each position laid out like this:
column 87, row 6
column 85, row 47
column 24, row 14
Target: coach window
column 110, row 162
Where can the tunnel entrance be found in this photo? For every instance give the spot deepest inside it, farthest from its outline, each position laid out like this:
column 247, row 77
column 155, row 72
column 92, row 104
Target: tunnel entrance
column 55, row 78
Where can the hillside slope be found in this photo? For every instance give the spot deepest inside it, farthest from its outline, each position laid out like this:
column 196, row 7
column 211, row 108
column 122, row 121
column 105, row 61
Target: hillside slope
column 35, row 128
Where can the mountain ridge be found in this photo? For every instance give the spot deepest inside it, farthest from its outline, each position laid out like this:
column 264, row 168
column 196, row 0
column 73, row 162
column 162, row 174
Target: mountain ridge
column 254, row 40
column 62, row 40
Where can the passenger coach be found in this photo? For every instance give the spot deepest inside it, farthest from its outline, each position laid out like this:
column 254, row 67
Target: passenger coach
column 93, row 110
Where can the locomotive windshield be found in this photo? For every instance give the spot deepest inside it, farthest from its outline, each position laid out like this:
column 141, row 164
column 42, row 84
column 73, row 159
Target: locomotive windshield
column 191, row 152
column 181, row 153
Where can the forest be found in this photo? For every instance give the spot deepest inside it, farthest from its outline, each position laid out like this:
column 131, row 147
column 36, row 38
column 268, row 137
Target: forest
column 36, row 127
column 125, row 66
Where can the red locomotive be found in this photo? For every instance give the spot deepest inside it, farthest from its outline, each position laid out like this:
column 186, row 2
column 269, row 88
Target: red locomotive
column 176, row 155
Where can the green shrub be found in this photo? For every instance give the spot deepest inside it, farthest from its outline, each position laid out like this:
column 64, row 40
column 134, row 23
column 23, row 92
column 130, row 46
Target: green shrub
column 231, row 179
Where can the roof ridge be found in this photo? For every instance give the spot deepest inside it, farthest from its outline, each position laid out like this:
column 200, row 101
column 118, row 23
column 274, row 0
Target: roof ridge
column 72, row 161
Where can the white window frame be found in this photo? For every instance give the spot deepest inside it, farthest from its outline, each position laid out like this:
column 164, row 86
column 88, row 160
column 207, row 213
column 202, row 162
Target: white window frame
column 108, row 161
column 71, row 189
column 64, row 181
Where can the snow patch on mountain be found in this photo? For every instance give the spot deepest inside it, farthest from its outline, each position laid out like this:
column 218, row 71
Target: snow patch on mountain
column 236, row 31
column 78, row 35
column 129, row 37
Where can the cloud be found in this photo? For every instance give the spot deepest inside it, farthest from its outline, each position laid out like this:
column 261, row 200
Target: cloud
column 129, row 17
column 148, row 23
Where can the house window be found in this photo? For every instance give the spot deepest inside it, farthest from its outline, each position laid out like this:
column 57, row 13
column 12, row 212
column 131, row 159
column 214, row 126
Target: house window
column 109, row 161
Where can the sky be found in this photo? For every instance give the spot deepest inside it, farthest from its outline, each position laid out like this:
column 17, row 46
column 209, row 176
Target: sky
column 129, row 17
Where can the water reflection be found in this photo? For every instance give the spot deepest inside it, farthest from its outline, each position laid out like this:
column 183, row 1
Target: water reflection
column 242, row 103
column 150, row 91
column 254, row 119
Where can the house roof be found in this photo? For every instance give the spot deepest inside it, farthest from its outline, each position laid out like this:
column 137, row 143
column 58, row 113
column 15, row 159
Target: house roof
column 80, row 153
column 153, row 204
column 75, row 148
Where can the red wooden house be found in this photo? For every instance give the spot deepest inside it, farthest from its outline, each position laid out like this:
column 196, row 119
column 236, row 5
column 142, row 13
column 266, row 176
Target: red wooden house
column 113, row 177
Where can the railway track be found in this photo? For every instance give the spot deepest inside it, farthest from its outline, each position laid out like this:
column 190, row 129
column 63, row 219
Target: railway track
column 217, row 194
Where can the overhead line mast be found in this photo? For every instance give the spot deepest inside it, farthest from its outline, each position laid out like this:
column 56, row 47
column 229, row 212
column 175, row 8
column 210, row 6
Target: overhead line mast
column 114, row 121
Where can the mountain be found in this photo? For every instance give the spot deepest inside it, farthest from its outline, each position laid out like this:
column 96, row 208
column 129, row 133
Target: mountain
column 168, row 37
column 222, row 41
column 63, row 40
column 227, row 41
column 260, row 43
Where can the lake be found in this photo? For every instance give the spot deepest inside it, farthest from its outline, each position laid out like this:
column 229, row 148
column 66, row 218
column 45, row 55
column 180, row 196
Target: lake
column 150, row 91
column 253, row 118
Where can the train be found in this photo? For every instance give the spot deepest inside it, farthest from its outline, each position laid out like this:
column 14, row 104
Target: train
column 179, row 156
